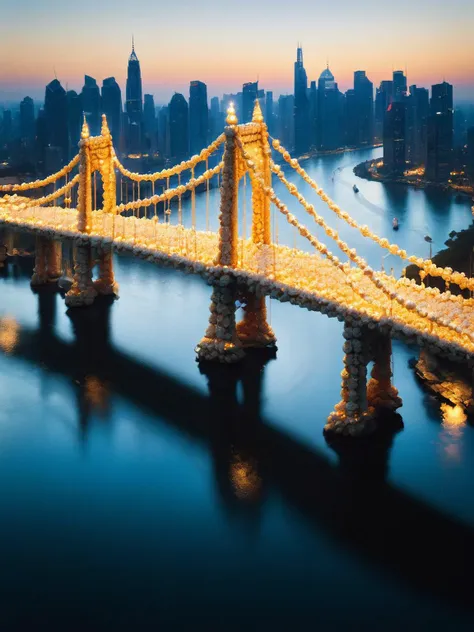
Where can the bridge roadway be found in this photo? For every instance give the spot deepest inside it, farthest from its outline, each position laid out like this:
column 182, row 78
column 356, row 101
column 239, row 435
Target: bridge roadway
column 354, row 503
column 302, row 278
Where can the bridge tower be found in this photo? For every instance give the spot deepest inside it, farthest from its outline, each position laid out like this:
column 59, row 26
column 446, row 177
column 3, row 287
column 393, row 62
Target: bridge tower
column 96, row 154
column 224, row 340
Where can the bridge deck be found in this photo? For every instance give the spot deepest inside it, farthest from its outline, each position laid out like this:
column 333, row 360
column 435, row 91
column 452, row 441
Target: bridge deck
column 306, row 279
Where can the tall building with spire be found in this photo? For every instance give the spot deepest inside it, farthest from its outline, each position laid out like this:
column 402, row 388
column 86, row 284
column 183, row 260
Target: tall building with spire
column 301, row 111
column 330, row 112
column 134, row 103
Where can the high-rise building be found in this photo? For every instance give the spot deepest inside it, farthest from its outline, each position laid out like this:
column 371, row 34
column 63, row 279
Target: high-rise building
column 74, row 120
column 149, row 124
column 90, row 97
column 313, row 115
column 416, row 124
column 394, row 139
column 286, row 127
column 112, row 108
column 178, row 127
column 163, row 132
column 216, row 119
column 364, row 102
column 7, row 127
column 27, row 120
column 134, row 104
column 198, row 116
column 301, row 114
column 249, row 94
column 440, row 133
column 351, row 119
column 55, row 112
column 330, row 112
column 399, row 85
column 41, row 139
column 383, row 98
column 269, row 113
column 470, row 154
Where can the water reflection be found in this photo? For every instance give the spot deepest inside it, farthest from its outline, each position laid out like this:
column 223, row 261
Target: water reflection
column 9, row 329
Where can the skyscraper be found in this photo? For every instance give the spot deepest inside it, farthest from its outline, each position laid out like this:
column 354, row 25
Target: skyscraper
column 394, row 139
column 440, row 133
column 178, row 127
column 249, row 94
column 198, row 116
column 216, row 118
column 164, row 131
column 7, row 126
column 301, row 113
column 134, row 104
column 112, row 108
column 399, row 85
column 74, row 120
column 470, row 154
column 286, row 127
column 269, row 113
column 364, row 102
column 313, row 115
column 90, row 97
column 383, row 98
column 150, row 127
column 55, row 112
column 351, row 119
column 330, row 112
column 417, row 106
column 27, row 120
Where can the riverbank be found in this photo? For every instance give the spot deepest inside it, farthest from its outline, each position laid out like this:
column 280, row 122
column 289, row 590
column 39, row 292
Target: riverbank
column 368, row 171
column 331, row 152
column 451, row 383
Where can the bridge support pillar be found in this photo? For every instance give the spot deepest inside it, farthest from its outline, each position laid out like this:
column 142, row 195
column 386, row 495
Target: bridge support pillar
column 361, row 402
column 381, row 394
column 106, row 284
column 352, row 416
column 220, row 342
column 253, row 330
column 40, row 271
column 54, row 259
column 82, row 291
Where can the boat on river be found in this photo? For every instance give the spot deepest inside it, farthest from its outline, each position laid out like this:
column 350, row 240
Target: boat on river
column 395, row 223
column 355, row 188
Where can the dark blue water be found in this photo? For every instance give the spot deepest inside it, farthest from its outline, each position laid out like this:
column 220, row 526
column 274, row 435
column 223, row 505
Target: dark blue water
column 137, row 492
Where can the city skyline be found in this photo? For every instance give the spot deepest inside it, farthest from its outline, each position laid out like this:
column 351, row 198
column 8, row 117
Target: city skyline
column 430, row 45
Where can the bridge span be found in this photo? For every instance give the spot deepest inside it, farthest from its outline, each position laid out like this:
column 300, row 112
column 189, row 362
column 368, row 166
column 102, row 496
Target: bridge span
column 373, row 305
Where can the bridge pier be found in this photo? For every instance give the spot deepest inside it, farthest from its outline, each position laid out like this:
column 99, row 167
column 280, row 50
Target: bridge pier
column 356, row 412
column 253, row 330
column 381, row 394
column 106, row 284
column 82, row 291
column 40, row 271
column 220, row 342
column 48, row 264
column 54, row 259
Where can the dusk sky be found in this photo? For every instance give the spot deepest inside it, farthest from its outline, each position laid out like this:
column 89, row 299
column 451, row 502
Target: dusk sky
column 227, row 43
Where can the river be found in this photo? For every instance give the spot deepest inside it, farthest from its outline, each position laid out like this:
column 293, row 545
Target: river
column 137, row 492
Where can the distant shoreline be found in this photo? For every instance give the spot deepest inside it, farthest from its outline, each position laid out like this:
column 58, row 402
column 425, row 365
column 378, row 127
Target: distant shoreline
column 365, row 170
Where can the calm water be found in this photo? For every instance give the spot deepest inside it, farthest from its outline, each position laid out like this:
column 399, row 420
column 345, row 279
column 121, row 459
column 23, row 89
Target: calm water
column 138, row 493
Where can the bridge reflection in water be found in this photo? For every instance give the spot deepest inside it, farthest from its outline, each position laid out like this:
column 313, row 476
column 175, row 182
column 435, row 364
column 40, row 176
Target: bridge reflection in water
column 353, row 502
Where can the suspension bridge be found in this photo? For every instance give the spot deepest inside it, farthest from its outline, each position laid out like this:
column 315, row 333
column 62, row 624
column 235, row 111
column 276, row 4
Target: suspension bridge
column 373, row 305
